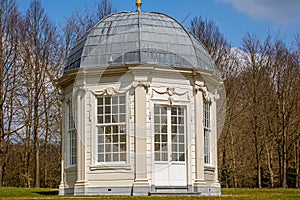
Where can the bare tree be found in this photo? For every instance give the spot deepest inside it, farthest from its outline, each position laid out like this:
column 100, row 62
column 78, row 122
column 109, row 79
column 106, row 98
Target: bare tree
column 82, row 20
column 8, row 55
column 40, row 53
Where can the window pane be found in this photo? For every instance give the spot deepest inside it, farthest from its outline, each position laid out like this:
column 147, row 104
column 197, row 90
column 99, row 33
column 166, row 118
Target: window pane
column 157, row 138
column 157, row 156
column 164, row 138
column 181, row 138
column 122, row 118
column 122, row 108
column 115, row 157
column 180, row 111
column 107, row 148
column 114, row 109
column 182, row 157
column 173, row 111
column 174, row 120
column 107, row 109
column 122, row 138
column 181, row 129
column 115, row 119
column 164, row 129
column 115, row 129
column 107, row 139
column 107, row 118
column 107, row 100
column 122, row 129
column 174, row 129
column 100, row 110
column 122, row 156
column 108, row 157
column 164, row 120
column 180, row 120
column 122, row 147
column 100, row 148
column 115, row 148
column 157, row 128
column 156, row 147
column 115, row 138
column 164, row 110
column 156, row 110
column 174, row 156
column 164, row 146
column 164, row 156
column 174, row 148
column 100, row 139
column 100, row 119
column 121, row 99
column 174, row 138
column 181, row 147
column 115, row 100
column 100, row 158
column 100, row 101
column 156, row 119
column 108, row 130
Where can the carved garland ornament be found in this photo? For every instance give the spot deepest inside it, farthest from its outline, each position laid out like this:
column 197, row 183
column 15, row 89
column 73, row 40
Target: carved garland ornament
column 109, row 91
column 170, row 91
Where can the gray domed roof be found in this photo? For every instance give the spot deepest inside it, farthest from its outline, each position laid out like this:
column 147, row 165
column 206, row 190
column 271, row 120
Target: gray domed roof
column 138, row 38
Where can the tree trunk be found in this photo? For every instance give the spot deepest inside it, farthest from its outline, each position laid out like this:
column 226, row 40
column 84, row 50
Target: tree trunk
column 36, row 144
column 1, row 104
column 233, row 154
column 297, row 160
column 257, row 157
column 270, row 165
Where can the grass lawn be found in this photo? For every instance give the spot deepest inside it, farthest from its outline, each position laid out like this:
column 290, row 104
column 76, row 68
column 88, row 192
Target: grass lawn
column 263, row 194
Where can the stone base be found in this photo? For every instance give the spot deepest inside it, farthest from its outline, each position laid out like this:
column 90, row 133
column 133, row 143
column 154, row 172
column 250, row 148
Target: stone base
column 141, row 188
column 65, row 191
column 80, row 188
column 95, row 191
column 208, row 190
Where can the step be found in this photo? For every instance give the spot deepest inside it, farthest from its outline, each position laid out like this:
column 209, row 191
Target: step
column 174, row 193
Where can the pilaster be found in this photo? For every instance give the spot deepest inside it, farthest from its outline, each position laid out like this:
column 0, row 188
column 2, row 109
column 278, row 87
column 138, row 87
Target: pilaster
column 141, row 185
column 199, row 134
column 81, row 182
column 215, row 140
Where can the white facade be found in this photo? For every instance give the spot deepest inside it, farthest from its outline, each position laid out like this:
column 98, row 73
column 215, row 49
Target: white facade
column 139, row 129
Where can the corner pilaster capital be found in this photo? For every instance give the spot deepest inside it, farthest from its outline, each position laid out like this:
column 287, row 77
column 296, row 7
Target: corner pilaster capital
column 144, row 84
column 199, row 86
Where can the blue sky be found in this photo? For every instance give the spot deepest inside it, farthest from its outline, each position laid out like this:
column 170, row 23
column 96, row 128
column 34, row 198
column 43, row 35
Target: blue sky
column 281, row 18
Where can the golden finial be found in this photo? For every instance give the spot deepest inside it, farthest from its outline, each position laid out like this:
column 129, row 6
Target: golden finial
column 138, row 4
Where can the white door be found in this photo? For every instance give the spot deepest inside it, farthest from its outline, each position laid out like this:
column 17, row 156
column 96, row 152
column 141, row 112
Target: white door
column 169, row 146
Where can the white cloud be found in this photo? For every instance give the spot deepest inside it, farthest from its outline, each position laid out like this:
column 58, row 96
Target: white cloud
column 283, row 12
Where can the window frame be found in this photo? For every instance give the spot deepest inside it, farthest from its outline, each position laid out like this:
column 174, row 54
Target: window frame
column 207, row 122
column 159, row 153
column 121, row 133
column 72, row 135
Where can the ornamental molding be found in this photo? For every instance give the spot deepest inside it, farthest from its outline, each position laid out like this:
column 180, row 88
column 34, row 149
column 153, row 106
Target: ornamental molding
column 199, row 86
column 170, row 91
column 109, row 91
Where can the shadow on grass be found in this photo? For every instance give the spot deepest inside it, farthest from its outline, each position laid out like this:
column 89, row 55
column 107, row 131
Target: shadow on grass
column 48, row 193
